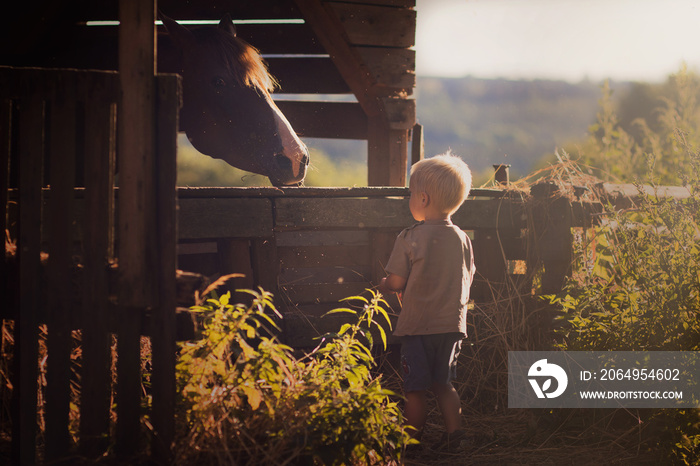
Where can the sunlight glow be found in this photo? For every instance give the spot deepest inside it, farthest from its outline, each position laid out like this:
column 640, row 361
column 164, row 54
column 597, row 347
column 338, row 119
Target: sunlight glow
column 557, row 39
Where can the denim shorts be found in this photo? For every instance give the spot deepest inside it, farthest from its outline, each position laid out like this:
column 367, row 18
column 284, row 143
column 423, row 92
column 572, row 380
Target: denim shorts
column 427, row 360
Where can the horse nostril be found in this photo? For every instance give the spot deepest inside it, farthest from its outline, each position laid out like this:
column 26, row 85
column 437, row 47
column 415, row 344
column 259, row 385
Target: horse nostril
column 305, row 160
column 283, row 163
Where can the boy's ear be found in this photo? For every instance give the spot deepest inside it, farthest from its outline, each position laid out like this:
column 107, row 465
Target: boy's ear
column 425, row 198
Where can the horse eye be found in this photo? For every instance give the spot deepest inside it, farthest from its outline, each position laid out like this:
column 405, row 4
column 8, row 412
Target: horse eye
column 219, row 82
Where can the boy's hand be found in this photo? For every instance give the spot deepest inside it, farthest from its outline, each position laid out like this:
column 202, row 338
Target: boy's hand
column 392, row 283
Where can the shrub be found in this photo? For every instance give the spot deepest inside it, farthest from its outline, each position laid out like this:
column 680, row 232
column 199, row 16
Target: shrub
column 636, row 283
column 248, row 400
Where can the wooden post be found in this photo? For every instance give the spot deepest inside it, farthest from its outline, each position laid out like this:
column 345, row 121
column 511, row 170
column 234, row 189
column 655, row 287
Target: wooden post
column 551, row 237
column 138, row 288
column 490, row 264
column 5, row 128
column 387, row 150
column 234, row 257
column 163, row 327
column 60, row 284
column 31, row 147
column 100, row 146
column 417, row 144
column 502, row 173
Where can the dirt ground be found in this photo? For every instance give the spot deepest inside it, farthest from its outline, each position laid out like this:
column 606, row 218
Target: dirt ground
column 515, row 438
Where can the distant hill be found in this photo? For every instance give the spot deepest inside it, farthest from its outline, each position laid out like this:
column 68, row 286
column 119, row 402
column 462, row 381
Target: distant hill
column 489, row 121
column 502, row 121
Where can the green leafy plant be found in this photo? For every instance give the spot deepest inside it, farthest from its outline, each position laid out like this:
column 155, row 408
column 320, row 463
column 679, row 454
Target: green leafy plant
column 247, row 399
column 636, row 282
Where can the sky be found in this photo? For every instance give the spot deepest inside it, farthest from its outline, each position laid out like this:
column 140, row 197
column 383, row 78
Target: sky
column 572, row 40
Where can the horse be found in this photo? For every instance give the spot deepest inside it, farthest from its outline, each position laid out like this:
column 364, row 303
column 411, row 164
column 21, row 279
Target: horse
column 228, row 112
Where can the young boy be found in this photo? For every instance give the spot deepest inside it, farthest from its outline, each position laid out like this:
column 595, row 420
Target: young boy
column 432, row 263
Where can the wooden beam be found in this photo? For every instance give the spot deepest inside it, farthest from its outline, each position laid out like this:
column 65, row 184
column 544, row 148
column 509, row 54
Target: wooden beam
column 26, row 347
column 387, row 154
column 417, row 144
column 60, row 285
column 138, row 288
column 100, row 146
column 307, row 75
column 340, row 120
column 376, row 26
column 332, row 35
column 164, row 328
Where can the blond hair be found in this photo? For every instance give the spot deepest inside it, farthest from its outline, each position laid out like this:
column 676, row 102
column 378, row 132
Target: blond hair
column 445, row 178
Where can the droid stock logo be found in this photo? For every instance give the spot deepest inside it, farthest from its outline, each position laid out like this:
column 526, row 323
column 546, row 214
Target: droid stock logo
column 541, row 375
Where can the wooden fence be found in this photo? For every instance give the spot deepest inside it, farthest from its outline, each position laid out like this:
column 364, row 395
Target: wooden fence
column 58, row 127
column 314, row 246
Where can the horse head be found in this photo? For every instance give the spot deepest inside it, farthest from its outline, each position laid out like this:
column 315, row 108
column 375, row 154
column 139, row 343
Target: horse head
column 227, row 111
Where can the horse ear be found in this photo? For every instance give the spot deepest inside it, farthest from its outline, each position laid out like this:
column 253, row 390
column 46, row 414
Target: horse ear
column 180, row 34
column 227, row 25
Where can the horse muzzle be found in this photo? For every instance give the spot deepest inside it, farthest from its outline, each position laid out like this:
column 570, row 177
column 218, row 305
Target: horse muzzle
column 288, row 172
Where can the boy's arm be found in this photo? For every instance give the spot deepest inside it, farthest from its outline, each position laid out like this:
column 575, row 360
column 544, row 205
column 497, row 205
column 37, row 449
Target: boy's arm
column 393, row 283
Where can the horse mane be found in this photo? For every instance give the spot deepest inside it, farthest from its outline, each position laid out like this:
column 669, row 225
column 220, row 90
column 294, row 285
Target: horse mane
column 242, row 60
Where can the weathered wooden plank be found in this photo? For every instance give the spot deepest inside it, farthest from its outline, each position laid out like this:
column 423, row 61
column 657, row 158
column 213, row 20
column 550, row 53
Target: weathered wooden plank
column 269, row 192
column 234, row 257
column 490, row 262
column 164, row 330
column 322, row 292
column 31, row 150
column 340, row 120
column 332, row 213
column 224, row 218
column 387, row 153
column 213, row 9
column 378, row 26
column 333, row 36
column 5, row 129
column 382, row 243
column 272, row 39
column 417, row 144
column 323, row 256
column 551, row 237
column 138, row 287
column 335, row 274
column 322, row 238
column 62, row 162
column 136, row 148
column 392, row 68
column 266, row 267
column 100, row 143
column 490, row 213
column 307, row 75
column 401, row 114
column 240, row 10
column 342, row 213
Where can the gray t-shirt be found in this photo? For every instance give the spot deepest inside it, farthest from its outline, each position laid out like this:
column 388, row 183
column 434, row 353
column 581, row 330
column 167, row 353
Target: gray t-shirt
column 436, row 258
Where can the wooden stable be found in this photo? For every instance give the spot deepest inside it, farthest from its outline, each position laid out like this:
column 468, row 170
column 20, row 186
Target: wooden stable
column 318, row 50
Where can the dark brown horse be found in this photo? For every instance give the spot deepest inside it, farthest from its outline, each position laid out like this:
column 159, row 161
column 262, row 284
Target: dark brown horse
column 228, row 112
